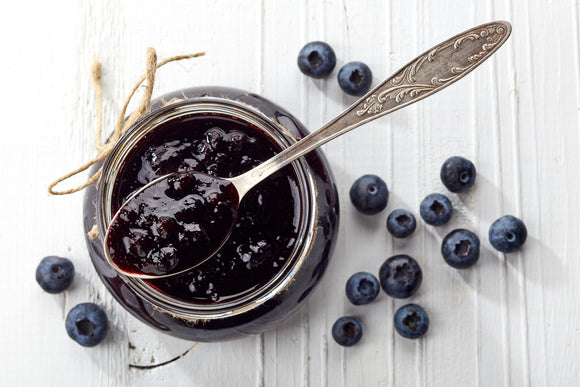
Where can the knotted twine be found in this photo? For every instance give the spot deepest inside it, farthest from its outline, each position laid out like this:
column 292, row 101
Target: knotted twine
column 122, row 125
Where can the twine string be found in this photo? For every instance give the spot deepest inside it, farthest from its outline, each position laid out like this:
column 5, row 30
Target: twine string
column 97, row 85
column 122, row 125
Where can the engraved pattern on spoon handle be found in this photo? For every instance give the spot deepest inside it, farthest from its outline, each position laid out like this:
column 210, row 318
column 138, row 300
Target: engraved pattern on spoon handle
column 435, row 69
column 425, row 75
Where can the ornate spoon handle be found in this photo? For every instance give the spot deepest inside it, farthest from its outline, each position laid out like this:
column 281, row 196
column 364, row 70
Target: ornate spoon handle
column 425, row 75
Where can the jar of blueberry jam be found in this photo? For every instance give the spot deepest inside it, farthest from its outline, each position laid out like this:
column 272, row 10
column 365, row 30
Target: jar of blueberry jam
column 283, row 236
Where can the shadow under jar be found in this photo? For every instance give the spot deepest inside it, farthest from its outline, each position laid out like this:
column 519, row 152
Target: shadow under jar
column 286, row 226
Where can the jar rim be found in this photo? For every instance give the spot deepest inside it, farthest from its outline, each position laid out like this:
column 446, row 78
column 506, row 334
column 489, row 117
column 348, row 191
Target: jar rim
column 307, row 199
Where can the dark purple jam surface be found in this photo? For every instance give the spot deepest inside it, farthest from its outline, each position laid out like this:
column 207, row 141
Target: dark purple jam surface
column 265, row 232
column 173, row 224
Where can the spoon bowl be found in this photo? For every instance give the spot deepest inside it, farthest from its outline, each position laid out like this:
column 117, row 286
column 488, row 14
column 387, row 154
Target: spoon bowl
column 174, row 222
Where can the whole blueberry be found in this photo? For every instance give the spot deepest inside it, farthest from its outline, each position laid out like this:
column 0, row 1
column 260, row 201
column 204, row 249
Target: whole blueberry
column 401, row 223
column 436, row 209
column 460, row 248
column 362, row 288
column 316, row 59
column 400, row 276
column 355, row 78
column 507, row 234
column 55, row 274
column 411, row 321
column 86, row 324
column 347, row 331
column 458, row 174
column 369, row 194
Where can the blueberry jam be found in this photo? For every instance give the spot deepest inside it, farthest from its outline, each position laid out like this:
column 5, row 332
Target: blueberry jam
column 173, row 224
column 263, row 236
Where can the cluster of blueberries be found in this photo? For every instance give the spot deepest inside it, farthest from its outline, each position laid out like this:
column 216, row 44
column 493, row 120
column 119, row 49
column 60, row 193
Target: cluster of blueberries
column 317, row 60
column 400, row 276
column 86, row 323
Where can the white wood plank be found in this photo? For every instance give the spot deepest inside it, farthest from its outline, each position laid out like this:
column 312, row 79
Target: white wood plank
column 406, row 186
column 324, row 101
column 550, row 258
column 284, row 356
column 509, row 130
column 366, row 150
column 522, row 96
column 492, row 323
column 447, row 293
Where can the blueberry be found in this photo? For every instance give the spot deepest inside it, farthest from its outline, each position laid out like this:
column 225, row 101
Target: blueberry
column 161, row 260
column 401, row 223
column 355, row 78
column 411, row 321
column 507, row 234
column 163, row 228
column 460, row 248
column 458, row 174
column 436, row 209
column 400, row 276
column 86, row 324
column 55, row 274
column 316, row 59
column 369, row 194
column 362, row 288
column 347, row 331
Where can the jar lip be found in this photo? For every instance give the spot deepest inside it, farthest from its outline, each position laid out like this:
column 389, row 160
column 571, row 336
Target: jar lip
column 307, row 195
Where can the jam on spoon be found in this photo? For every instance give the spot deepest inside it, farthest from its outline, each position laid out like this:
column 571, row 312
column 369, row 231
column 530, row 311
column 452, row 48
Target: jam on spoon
column 149, row 257
column 175, row 222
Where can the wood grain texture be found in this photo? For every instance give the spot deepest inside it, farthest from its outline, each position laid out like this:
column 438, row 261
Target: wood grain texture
column 512, row 320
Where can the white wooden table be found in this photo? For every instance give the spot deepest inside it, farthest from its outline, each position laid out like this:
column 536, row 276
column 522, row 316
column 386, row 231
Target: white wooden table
column 510, row 320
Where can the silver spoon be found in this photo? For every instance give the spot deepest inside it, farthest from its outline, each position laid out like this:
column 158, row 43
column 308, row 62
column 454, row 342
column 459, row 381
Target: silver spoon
column 425, row 75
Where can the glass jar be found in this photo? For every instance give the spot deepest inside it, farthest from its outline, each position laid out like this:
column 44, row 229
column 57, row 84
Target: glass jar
column 277, row 283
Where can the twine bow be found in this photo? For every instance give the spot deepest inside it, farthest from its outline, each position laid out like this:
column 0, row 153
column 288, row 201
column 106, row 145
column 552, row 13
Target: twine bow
column 122, row 125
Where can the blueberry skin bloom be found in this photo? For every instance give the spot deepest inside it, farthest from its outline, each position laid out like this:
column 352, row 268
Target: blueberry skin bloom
column 400, row 276
column 401, row 223
column 436, row 209
column 458, row 174
column 316, row 59
column 507, row 234
column 86, row 324
column 55, row 274
column 362, row 288
column 460, row 248
column 355, row 78
column 411, row 321
column 369, row 194
column 347, row 331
